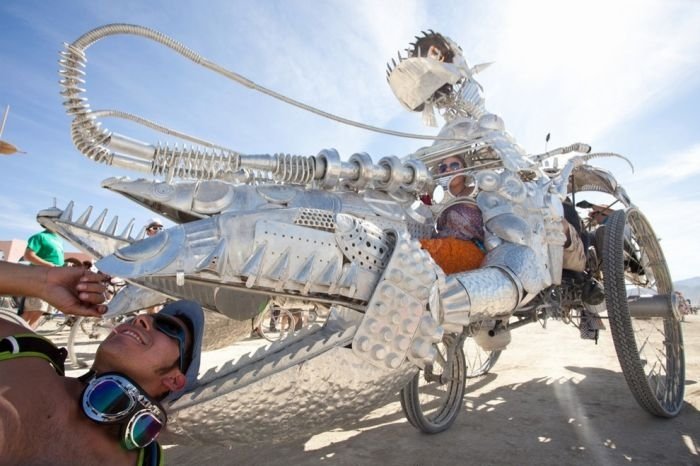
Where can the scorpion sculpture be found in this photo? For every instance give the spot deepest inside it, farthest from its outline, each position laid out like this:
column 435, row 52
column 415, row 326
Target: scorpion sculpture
column 343, row 235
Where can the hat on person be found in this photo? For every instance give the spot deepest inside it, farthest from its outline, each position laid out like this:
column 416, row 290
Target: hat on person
column 596, row 207
column 192, row 315
column 154, row 222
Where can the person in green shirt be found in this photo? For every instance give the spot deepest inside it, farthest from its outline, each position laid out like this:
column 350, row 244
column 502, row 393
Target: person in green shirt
column 43, row 249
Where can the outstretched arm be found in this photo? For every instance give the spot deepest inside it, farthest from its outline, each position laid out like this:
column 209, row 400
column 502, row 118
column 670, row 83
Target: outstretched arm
column 73, row 290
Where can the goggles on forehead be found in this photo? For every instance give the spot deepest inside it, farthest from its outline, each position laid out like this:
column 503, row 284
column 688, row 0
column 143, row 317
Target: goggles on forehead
column 113, row 398
column 442, row 168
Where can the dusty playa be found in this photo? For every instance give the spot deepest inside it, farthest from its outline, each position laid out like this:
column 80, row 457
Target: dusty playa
column 552, row 399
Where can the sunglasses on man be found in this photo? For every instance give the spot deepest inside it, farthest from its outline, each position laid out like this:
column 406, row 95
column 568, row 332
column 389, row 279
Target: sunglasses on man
column 442, row 168
column 172, row 328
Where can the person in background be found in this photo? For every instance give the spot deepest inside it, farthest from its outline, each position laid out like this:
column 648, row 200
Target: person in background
column 72, row 262
column 457, row 245
column 44, row 249
column 154, row 227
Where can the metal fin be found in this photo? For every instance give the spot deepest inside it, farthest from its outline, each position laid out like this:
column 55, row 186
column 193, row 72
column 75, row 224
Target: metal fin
column 97, row 225
column 127, row 231
column 252, row 265
column 112, row 226
column 82, row 220
column 67, row 213
column 277, row 270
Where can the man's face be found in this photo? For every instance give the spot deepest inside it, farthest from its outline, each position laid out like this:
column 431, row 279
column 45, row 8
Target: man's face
column 450, row 165
column 153, row 229
column 139, row 350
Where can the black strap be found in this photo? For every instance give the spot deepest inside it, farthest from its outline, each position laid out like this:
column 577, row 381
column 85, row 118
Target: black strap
column 16, row 344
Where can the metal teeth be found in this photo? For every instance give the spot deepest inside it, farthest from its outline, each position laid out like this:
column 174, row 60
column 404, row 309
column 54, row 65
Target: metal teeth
column 97, row 225
column 127, row 231
column 82, row 220
column 112, row 226
column 68, row 213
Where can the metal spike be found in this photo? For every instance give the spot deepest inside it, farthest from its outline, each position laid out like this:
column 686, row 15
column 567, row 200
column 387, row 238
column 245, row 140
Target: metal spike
column 303, row 275
column 398, row 53
column 252, row 265
column 82, row 220
column 328, row 276
column 142, row 234
column 279, row 268
column 112, row 226
column 393, row 62
column 97, row 225
column 127, row 231
column 67, row 213
column 388, row 68
column 424, row 33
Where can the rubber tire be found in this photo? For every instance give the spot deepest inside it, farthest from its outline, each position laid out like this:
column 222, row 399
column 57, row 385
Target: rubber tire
column 450, row 407
column 668, row 402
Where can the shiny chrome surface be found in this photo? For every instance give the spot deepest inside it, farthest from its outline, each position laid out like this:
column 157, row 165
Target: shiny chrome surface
column 318, row 229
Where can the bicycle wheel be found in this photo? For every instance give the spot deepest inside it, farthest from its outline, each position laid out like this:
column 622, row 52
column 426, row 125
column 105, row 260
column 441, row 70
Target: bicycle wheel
column 479, row 361
column 649, row 345
column 52, row 323
column 433, row 399
column 276, row 324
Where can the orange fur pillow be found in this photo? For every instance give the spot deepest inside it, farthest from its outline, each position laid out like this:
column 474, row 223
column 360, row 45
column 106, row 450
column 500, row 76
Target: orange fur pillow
column 454, row 255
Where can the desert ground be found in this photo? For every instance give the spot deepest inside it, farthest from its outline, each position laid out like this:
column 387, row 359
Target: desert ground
column 551, row 399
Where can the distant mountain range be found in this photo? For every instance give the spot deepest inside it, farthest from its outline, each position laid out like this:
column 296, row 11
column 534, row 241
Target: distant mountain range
column 690, row 288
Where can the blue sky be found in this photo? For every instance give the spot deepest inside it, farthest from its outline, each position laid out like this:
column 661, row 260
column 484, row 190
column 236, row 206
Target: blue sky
column 623, row 76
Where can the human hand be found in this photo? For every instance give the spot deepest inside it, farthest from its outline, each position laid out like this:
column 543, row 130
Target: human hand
column 75, row 290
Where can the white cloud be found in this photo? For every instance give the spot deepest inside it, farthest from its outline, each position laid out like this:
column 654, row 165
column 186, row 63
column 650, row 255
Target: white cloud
column 672, row 168
column 579, row 69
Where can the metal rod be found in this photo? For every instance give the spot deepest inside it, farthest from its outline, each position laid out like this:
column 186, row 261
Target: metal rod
column 653, row 306
column 4, row 119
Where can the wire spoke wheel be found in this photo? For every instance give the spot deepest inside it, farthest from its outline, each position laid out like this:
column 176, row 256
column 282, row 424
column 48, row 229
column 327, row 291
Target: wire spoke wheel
column 433, row 399
column 650, row 349
column 53, row 322
column 276, row 324
column 478, row 360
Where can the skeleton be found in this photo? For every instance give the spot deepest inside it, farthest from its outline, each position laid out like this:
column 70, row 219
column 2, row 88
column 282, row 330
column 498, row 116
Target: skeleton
column 317, row 229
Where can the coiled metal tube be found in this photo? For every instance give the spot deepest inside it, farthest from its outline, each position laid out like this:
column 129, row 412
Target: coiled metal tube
column 194, row 162
column 296, row 169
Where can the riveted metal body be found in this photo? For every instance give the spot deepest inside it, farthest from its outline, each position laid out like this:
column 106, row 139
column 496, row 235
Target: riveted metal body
column 323, row 231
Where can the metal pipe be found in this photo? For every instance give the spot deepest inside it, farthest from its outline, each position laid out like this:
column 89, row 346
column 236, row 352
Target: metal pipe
column 661, row 305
